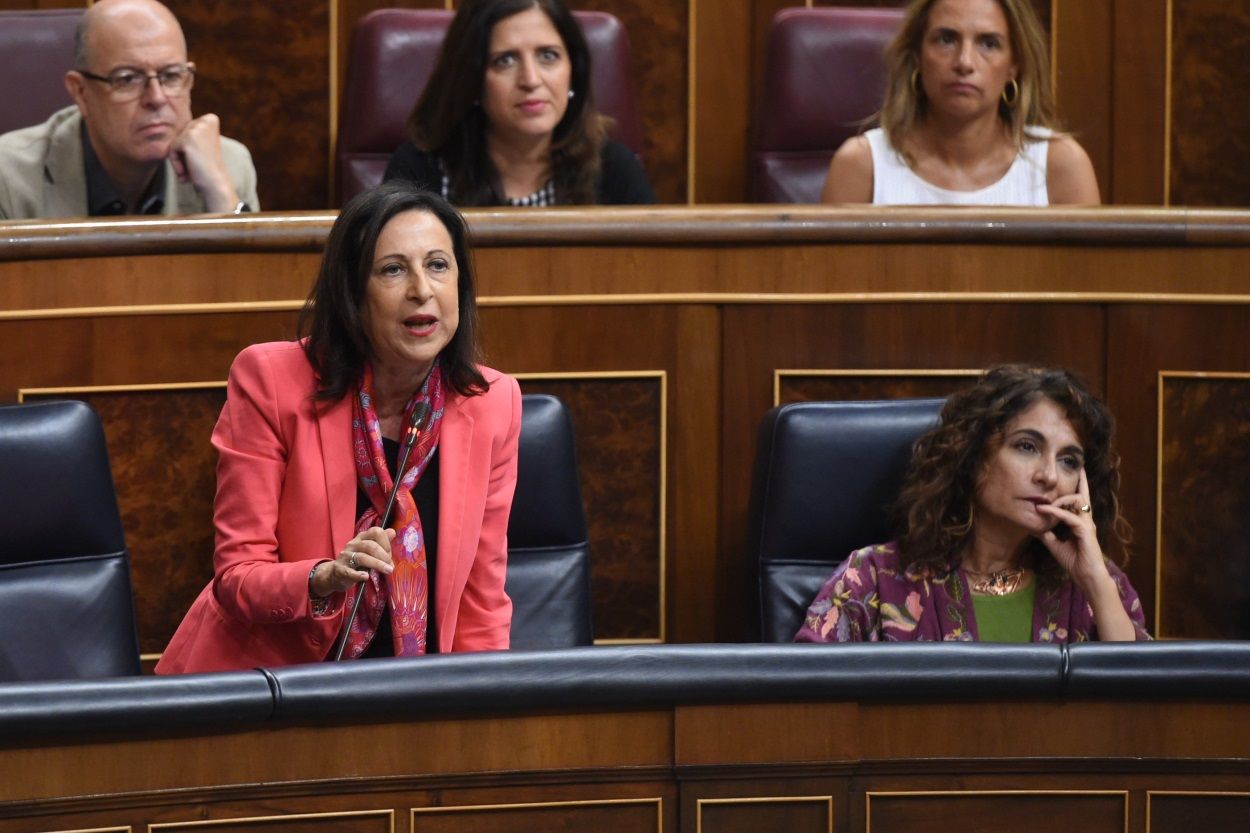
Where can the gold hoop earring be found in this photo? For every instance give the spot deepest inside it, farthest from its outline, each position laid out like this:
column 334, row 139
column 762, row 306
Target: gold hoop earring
column 1014, row 86
column 916, row 86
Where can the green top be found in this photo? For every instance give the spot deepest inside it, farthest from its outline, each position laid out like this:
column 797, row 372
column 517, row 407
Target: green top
column 1006, row 618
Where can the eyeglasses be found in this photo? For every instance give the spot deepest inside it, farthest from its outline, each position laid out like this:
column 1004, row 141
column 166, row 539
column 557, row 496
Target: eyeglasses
column 126, row 83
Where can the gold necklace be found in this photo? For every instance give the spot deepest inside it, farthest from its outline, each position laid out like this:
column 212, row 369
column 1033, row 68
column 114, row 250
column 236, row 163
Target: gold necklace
column 1000, row 583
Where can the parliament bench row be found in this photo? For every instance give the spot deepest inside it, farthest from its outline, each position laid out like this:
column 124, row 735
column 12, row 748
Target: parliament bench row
column 510, row 682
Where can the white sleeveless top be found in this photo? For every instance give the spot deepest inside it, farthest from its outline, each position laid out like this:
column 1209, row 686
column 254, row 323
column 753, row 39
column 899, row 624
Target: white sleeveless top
column 893, row 183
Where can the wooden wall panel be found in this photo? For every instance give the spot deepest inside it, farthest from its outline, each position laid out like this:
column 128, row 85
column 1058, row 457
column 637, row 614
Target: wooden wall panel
column 721, row 82
column 1210, row 126
column 1138, row 103
column 264, row 68
column 1142, row 341
column 1186, row 812
column 1081, row 50
column 1204, row 492
column 619, row 428
column 366, row 821
column 796, row 814
column 659, row 31
column 25, row 5
column 853, row 385
column 625, row 815
column 1020, row 812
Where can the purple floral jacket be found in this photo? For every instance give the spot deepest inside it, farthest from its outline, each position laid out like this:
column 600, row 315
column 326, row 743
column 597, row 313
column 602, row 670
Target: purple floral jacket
column 872, row 597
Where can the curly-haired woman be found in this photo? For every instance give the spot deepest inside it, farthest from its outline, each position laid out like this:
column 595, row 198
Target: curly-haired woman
column 1009, row 504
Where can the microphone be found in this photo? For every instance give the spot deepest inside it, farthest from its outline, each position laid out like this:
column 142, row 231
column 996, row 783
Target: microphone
column 415, row 424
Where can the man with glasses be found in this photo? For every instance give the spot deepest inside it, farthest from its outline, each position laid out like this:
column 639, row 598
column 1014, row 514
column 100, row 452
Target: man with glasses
column 129, row 144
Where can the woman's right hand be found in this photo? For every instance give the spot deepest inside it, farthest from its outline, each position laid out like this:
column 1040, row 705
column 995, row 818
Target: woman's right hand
column 370, row 550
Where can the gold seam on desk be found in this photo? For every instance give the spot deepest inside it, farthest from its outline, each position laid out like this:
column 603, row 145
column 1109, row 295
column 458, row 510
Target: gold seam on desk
column 709, row 298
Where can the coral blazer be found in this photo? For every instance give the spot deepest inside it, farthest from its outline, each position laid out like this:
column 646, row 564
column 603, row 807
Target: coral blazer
column 286, row 499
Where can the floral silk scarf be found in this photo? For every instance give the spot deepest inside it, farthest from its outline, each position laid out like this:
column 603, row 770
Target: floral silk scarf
column 407, row 588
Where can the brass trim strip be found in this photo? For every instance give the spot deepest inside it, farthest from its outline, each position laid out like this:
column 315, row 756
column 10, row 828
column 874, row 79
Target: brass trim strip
column 897, row 372
column 134, row 388
column 177, row 825
column 662, row 531
column 827, row 800
column 126, row 829
column 1162, row 377
column 651, row 299
column 658, row 801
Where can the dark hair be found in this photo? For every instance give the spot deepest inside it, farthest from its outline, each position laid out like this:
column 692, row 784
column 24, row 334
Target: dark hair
column 938, row 494
column 337, row 345
column 448, row 119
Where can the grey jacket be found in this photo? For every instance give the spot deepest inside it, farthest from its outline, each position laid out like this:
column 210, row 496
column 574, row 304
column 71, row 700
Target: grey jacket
column 42, row 173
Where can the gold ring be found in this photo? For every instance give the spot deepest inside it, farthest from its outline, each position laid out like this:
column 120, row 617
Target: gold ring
column 1086, row 508
column 351, row 561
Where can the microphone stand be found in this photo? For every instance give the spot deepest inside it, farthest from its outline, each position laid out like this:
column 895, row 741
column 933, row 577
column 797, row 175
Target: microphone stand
column 419, row 415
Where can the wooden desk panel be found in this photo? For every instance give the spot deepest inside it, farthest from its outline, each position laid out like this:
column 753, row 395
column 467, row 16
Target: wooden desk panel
column 882, row 767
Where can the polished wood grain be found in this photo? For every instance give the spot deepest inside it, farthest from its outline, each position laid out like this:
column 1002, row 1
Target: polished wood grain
column 659, row 32
column 1139, row 101
column 725, row 53
column 618, row 425
column 1021, row 811
column 1209, row 126
column 1205, row 540
column 1082, row 48
column 847, row 766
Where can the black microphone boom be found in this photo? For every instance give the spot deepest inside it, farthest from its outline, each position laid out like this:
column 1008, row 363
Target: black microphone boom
column 419, row 415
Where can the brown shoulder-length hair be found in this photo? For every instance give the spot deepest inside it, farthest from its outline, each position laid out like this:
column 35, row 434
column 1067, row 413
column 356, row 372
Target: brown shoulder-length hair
column 448, row 119
column 905, row 106
column 337, row 345
column 940, row 488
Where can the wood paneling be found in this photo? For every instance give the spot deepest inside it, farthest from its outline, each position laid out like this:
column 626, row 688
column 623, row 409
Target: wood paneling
column 722, row 101
column 1142, row 341
column 618, row 422
column 1181, row 813
column 1022, row 812
column 625, row 815
column 1204, row 545
column 794, row 815
column 901, row 765
column 658, row 32
column 1138, row 104
column 1210, row 126
column 264, row 68
column 1082, row 54
column 803, row 386
column 375, row 821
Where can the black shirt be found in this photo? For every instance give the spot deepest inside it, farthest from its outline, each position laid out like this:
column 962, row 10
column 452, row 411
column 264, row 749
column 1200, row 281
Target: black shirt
column 425, row 493
column 622, row 181
column 103, row 199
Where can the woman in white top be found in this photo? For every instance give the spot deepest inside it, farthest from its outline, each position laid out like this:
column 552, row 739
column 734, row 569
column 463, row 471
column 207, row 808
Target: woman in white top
column 968, row 117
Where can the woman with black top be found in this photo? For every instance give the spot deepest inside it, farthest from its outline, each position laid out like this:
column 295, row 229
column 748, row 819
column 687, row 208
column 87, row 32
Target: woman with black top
column 508, row 116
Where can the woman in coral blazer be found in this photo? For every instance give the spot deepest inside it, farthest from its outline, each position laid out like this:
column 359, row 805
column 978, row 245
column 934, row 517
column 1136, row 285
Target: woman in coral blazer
column 308, row 443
